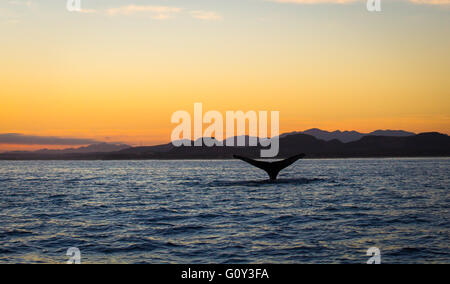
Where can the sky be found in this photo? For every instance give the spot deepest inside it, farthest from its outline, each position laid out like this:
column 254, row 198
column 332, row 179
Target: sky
column 119, row 69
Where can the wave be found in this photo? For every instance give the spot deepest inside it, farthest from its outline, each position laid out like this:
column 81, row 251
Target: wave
column 144, row 246
column 16, row 233
column 329, row 211
column 258, row 183
column 185, row 229
column 77, row 180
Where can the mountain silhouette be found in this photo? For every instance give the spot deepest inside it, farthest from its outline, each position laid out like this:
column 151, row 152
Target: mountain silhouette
column 94, row 148
column 350, row 136
column 421, row 145
column 49, row 154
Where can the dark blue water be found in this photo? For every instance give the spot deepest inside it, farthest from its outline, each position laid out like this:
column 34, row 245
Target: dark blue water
column 321, row 211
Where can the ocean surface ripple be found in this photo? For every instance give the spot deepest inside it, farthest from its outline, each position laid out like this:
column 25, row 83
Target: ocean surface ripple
column 320, row 211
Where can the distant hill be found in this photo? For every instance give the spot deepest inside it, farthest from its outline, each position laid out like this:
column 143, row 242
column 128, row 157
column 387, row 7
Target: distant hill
column 421, row 145
column 94, row 148
column 392, row 133
column 56, row 154
column 350, row 136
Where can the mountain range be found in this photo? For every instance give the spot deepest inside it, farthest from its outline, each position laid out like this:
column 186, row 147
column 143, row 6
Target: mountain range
column 350, row 136
column 94, row 148
column 389, row 144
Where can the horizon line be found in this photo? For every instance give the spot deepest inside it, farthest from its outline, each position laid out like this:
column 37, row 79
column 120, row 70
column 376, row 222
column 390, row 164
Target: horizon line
column 150, row 144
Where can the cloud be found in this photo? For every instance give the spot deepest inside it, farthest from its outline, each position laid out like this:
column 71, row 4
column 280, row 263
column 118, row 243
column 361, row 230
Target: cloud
column 157, row 12
column 162, row 12
column 431, row 2
column 13, row 21
column 315, row 1
column 206, row 15
column 28, row 4
column 87, row 11
column 20, row 139
column 425, row 2
column 15, row 10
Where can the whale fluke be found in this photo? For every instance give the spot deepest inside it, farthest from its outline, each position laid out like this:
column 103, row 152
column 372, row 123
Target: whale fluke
column 271, row 168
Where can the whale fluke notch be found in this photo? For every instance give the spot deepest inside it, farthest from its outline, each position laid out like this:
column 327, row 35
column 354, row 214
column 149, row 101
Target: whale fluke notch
column 271, row 168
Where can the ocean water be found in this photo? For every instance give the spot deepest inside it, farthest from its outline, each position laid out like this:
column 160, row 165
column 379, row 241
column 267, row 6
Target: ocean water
column 320, row 211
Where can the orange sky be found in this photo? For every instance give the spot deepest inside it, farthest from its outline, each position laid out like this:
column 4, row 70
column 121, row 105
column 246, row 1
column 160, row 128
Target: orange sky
column 118, row 77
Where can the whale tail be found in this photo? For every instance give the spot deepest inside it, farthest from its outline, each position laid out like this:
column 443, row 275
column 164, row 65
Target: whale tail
column 271, row 168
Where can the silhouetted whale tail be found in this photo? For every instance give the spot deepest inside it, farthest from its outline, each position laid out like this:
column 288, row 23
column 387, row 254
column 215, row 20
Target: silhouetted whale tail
column 271, row 168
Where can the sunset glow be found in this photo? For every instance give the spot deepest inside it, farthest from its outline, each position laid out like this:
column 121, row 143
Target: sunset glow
column 118, row 71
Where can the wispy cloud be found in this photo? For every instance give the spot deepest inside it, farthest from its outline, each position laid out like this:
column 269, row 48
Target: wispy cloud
column 162, row 12
column 431, row 2
column 87, row 11
column 315, row 1
column 425, row 2
column 156, row 12
column 28, row 3
column 206, row 15
column 16, row 10
column 13, row 21
column 20, row 139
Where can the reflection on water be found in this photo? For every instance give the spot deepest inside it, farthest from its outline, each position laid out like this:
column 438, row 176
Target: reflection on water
column 319, row 211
